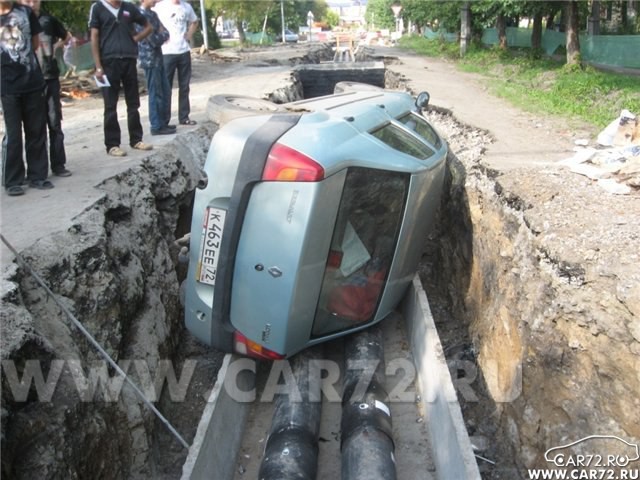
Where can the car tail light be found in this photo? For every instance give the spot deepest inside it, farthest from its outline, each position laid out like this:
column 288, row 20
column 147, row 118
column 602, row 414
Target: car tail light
column 285, row 164
column 244, row 346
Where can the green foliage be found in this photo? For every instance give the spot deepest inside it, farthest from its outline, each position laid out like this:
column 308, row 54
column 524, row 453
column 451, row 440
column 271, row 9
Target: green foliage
column 74, row 14
column 543, row 85
column 331, row 18
column 433, row 13
column 379, row 14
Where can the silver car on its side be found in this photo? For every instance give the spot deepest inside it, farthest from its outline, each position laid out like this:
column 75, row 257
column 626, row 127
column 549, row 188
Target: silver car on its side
column 313, row 220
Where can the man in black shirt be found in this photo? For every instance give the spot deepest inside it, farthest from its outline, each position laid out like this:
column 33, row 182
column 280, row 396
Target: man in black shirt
column 22, row 92
column 53, row 35
column 115, row 50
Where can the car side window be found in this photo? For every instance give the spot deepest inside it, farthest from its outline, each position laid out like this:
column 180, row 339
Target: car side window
column 419, row 125
column 402, row 141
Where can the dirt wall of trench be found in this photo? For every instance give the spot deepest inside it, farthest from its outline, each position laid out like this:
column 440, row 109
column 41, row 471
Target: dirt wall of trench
column 535, row 273
column 115, row 270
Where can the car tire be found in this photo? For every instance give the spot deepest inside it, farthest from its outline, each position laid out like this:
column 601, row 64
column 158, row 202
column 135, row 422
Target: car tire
column 342, row 87
column 224, row 108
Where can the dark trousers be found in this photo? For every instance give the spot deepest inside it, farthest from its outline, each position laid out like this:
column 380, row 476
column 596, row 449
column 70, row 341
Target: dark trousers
column 24, row 111
column 121, row 71
column 182, row 63
column 57, row 155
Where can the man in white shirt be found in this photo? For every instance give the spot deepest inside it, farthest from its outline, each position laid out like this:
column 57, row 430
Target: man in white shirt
column 181, row 21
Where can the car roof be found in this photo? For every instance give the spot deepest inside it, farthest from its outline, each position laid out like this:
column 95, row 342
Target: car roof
column 353, row 103
column 324, row 120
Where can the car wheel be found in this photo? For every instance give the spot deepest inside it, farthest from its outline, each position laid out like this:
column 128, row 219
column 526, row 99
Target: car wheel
column 342, row 87
column 223, row 108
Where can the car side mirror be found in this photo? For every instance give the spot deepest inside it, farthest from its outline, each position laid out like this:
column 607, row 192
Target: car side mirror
column 203, row 181
column 422, row 100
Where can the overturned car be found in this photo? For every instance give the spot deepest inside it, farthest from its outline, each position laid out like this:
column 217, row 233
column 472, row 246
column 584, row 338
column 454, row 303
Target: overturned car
column 313, row 220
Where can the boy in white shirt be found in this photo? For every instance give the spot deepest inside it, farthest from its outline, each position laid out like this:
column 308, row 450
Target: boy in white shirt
column 181, row 21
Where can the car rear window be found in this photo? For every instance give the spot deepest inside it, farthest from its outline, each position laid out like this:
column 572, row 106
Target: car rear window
column 362, row 248
column 400, row 140
column 420, row 125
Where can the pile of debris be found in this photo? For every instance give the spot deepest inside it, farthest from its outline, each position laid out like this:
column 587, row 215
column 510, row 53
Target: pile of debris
column 615, row 162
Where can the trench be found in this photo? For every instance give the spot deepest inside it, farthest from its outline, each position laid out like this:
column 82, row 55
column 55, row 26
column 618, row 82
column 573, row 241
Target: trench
column 121, row 276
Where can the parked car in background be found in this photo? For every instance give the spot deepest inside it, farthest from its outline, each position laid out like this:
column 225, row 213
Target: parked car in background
column 314, row 218
column 289, row 36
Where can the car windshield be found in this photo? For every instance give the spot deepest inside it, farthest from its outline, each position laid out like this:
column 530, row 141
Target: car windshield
column 362, row 247
column 400, row 140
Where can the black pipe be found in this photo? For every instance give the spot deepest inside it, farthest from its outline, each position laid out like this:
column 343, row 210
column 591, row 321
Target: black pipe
column 291, row 451
column 367, row 437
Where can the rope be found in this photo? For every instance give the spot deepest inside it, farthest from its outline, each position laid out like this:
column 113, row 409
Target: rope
column 93, row 341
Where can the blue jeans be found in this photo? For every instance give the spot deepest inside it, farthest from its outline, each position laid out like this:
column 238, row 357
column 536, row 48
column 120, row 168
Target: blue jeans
column 159, row 96
column 182, row 63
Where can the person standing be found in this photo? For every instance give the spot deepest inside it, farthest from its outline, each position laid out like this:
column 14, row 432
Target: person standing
column 181, row 21
column 115, row 52
column 53, row 36
column 22, row 95
column 150, row 58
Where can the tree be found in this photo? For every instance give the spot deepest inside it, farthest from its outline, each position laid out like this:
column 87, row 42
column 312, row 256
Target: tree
column 331, row 18
column 465, row 28
column 501, row 27
column 74, row 14
column 432, row 13
column 594, row 18
column 536, row 33
column 572, row 26
column 539, row 10
column 379, row 13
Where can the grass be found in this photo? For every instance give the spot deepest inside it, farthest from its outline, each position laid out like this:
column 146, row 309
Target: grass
column 542, row 85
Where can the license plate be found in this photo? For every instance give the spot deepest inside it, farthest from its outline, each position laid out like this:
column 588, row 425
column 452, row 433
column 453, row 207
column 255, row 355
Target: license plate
column 210, row 244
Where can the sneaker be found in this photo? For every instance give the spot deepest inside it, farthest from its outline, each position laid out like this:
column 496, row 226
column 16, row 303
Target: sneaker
column 173, row 127
column 117, row 152
column 164, row 131
column 142, row 146
column 63, row 172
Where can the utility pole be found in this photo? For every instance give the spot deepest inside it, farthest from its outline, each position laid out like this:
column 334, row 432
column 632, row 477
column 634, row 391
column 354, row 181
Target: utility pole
column 282, row 19
column 203, row 16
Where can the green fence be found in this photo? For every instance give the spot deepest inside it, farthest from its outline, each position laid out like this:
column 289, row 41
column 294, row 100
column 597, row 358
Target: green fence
column 440, row 34
column 616, row 50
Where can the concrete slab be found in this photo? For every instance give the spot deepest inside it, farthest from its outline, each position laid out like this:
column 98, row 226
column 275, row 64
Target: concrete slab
column 220, row 431
column 452, row 451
